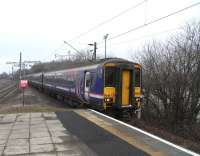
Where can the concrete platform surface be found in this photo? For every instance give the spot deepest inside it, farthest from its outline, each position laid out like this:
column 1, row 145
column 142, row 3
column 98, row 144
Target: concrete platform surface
column 36, row 134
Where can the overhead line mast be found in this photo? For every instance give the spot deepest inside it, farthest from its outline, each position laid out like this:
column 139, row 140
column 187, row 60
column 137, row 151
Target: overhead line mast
column 20, row 64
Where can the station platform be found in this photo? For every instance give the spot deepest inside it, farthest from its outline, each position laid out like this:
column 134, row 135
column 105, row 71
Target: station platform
column 108, row 136
column 78, row 132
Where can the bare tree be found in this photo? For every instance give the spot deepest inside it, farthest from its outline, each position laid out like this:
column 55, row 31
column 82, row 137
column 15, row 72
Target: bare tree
column 172, row 77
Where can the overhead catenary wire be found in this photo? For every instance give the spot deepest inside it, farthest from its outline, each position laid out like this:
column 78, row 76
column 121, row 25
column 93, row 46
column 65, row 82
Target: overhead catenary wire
column 57, row 49
column 145, row 24
column 108, row 20
column 142, row 37
column 153, row 21
column 77, row 51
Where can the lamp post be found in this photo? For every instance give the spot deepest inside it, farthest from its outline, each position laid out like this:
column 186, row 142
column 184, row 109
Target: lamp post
column 105, row 38
column 20, row 66
column 95, row 50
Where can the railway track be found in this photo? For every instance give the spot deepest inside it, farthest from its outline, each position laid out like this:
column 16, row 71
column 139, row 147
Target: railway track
column 5, row 92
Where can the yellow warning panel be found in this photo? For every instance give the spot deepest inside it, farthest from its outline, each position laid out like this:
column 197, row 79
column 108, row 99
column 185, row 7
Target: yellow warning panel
column 109, row 92
column 125, row 87
column 137, row 92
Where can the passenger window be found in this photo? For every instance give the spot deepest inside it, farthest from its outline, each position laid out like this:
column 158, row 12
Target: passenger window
column 110, row 77
column 92, row 78
column 87, row 79
column 137, row 77
column 87, row 83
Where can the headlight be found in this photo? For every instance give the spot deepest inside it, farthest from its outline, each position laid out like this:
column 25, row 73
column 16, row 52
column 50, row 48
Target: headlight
column 137, row 99
column 108, row 99
column 138, row 103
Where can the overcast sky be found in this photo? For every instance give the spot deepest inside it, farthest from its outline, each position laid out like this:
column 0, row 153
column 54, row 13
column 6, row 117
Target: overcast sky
column 38, row 27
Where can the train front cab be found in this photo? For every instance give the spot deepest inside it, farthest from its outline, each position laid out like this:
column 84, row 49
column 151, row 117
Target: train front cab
column 122, row 87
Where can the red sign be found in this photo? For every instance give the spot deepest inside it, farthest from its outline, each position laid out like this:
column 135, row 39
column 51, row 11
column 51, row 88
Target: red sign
column 23, row 84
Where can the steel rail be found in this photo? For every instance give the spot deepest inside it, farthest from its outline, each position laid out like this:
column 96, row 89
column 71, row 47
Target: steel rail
column 7, row 91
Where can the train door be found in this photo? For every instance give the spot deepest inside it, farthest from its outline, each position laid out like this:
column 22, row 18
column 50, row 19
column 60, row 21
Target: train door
column 125, row 87
column 87, row 85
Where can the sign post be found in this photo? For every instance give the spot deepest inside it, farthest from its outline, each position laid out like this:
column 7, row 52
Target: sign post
column 23, row 85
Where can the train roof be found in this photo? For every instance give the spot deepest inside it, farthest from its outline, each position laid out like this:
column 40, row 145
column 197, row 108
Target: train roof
column 88, row 65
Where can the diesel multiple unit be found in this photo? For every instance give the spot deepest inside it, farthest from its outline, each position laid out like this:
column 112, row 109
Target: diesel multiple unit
column 110, row 84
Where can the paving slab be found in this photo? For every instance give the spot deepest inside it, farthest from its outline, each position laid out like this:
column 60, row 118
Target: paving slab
column 49, row 114
column 53, row 122
column 37, row 122
column 15, row 150
column 19, row 131
column 66, row 139
column 56, row 129
column 39, row 134
column 18, row 142
column 4, row 131
column 4, row 136
column 69, row 153
column 59, row 133
column 52, row 125
column 65, row 147
column 41, row 148
column 7, row 121
column 5, row 127
column 22, row 123
column 1, row 149
column 57, row 140
column 44, row 140
column 35, row 126
column 19, row 136
column 37, row 119
column 13, row 116
column 25, row 120
column 3, row 142
column 24, row 126
column 36, row 115
column 44, row 154
column 38, row 129
column 23, row 115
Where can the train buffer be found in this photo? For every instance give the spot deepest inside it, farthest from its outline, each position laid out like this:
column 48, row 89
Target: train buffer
column 79, row 132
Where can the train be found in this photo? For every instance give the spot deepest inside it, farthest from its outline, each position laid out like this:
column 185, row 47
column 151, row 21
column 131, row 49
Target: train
column 110, row 84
